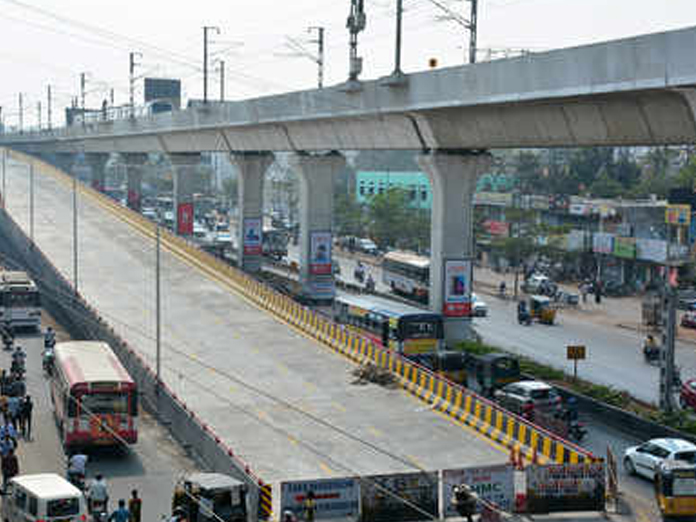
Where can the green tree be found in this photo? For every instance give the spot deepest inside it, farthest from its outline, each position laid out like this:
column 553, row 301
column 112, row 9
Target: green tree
column 605, row 186
column 529, row 172
column 687, row 174
column 349, row 216
column 389, row 214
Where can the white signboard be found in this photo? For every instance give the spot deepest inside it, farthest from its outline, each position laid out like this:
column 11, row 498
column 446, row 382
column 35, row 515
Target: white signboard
column 603, row 243
column 335, row 498
column 651, row 250
column 494, row 484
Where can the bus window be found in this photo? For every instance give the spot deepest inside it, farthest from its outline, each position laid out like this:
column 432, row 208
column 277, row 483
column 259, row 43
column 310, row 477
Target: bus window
column 419, row 330
column 102, row 403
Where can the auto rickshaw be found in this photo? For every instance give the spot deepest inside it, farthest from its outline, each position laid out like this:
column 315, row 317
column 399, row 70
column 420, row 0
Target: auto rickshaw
column 450, row 364
column 541, row 309
column 675, row 489
column 211, row 497
column 492, row 371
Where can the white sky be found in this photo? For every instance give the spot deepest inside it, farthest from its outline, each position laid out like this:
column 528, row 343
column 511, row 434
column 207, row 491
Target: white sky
column 52, row 41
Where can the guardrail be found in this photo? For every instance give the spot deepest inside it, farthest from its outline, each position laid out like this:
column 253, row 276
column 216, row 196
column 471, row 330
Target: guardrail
column 452, row 399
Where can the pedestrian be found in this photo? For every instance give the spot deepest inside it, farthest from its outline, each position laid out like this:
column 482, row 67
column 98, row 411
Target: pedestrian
column 98, row 494
column 310, row 506
column 26, row 412
column 8, row 429
column 121, row 513
column 583, row 292
column 464, row 501
column 598, row 293
column 13, row 404
column 135, row 505
column 10, row 468
column 7, row 444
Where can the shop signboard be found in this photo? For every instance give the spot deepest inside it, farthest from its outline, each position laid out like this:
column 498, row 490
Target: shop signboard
column 495, row 484
column 457, row 288
column 602, row 243
column 252, row 237
column 575, row 240
column 184, row 214
column 579, row 209
column 497, row 228
column 335, row 497
column 565, row 487
column 678, row 215
column 651, row 250
column 401, row 496
column 625, row 247
column 320, row 253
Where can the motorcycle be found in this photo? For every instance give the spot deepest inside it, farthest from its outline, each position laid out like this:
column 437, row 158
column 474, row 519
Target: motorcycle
column 524, row 318
column 47, row 361
column 97, row 510
column 577, row 430
column 651, row 354
column 77, row 480
column 359, row 275
column 370, row 285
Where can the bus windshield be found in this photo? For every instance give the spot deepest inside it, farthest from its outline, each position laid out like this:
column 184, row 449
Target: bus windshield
column 21, row 299
column 103, row 403
column 421, row 329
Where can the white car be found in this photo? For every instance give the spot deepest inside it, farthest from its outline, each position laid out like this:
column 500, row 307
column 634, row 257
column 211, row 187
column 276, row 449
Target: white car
column 479, row 308
column 647, row 457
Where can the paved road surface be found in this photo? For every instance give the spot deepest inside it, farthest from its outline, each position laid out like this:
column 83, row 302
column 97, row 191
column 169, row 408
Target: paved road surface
column 282, row 401
column 152, row 466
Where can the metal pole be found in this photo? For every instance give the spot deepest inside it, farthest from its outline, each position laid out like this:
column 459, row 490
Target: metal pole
column 222, row 80
column 399, row 18
column 206, row 28
column 31, row 202
column 158, row 317
column 49, row 102
column 4, row 166
column 320, row 54
column 75, row 258
column 473, row 29
column 21, row 113
column 83, row 81
column 38, row 110
column 667, row 370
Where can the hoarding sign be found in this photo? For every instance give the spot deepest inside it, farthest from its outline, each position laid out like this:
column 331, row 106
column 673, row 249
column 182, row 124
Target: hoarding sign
column 184, row 219
column 625, row 247
column 565, row 487
column 320, row 253
column 495, row 484
column 335, row 498
column 651, row 250
column 603, row 243
column 457, row 288
column 678, row 215
column 497, row 228
column 385, row 498
column 253, row 240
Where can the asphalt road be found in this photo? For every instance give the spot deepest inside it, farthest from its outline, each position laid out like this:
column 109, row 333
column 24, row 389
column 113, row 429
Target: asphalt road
column 151, row 466
column 284, row 403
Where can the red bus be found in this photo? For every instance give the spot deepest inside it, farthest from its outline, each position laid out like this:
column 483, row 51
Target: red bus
column 94, row 399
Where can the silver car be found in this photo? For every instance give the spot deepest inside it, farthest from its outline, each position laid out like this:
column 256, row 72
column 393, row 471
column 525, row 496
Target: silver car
column 646, row 458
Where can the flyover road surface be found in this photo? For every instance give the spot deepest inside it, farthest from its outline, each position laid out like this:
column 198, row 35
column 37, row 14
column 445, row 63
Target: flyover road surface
column 282, row 401
column 151, row 466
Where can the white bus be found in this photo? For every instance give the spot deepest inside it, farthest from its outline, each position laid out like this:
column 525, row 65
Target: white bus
column 20, row 302
column 407, row 274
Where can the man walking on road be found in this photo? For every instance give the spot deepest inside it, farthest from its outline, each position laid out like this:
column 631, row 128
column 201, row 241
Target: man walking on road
column 135, row 506
column 10, row 468
column 25, row 412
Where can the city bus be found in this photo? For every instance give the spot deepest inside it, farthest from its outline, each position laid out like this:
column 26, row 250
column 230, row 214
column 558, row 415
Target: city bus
column 94, row 399
column 403, row 328
column 407, row 274
column 20, row 301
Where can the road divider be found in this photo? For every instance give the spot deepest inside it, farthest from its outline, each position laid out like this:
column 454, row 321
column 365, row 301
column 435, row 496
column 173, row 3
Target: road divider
column 453, row 400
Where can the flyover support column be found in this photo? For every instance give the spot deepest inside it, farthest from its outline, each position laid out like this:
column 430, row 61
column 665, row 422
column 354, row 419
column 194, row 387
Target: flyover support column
column 316, row 175
column 97, row 165
column 453, row 176
column 135, row 163
column 252, row 169
column 184, row 167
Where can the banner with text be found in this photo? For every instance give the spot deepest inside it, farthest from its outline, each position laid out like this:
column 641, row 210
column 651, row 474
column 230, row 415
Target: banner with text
column 253, row 241
column 320, row 253
column 495, row 484
column 402, row 496
column 565, row 487
column 335, row 498
column 457, row 288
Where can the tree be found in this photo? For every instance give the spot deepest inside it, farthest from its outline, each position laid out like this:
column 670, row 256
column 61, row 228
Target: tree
column 529, row 172
column 349, row 216
column 604, row 186
column 388, row 215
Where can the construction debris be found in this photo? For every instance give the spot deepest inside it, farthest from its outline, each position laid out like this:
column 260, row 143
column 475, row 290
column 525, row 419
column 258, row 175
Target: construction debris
column 369, row 372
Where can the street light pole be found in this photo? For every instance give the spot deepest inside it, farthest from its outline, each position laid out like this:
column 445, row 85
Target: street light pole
column 222, row 81
column 75, row 258
column 399, row 19
column 31, row 202
column 473, row 28
column 206, row 28
column 49, row 102
column 4, row 185
column 21, row 113
column 320, row 53
column 158, row 310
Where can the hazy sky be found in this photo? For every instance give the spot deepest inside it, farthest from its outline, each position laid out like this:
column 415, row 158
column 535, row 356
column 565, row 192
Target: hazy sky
column 53, row 41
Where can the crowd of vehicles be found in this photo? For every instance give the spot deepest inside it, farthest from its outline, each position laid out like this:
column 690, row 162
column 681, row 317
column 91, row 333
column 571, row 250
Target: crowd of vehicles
column 94, row 398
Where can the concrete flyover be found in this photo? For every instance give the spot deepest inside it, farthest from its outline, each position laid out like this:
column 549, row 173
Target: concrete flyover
column 636, row 91
column 283, row 402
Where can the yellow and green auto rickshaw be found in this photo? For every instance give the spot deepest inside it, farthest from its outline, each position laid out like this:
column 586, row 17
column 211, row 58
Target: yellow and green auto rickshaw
column 675, row 489
column 541, row 309
column 450, row 364
column 491, row 371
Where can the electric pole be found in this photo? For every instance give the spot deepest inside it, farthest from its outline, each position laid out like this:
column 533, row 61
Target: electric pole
column 320, row 53
column 206, row 28
column 131, row 80
column 667, row 369
column 355, row 24
column 21, row 113
column 222, row 80
column 473, row 27
column 399, row 19
column 38, row 114
column 83, row 82
column 49, row 102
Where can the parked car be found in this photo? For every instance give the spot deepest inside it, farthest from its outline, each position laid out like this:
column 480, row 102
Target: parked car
column 645, row 458
column 686, row 299
column 688, row 320
column 539, row 284
column 516, row 395
column 479, row 308
column 687, row 394
column 367, row 246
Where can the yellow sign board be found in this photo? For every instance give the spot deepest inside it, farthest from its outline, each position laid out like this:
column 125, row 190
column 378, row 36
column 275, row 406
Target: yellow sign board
column 576, row 352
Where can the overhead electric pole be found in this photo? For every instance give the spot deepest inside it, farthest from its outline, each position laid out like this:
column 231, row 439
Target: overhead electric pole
column 49, row 103
column 38, row 114
column 21, row 113
column 131, row 79
column 206, row 28
column 222, row 80
column 83, row 83
column 320, row 53
column 473, row 27
column 356, row 23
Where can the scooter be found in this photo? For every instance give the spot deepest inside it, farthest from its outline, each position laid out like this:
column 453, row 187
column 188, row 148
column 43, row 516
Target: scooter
column 98, row 511
column 651, row 354
column 524, row 318
column 577, row 430
column 47, row 361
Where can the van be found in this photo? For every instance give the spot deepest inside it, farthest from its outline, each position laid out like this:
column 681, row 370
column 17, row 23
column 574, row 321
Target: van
column 46, row 497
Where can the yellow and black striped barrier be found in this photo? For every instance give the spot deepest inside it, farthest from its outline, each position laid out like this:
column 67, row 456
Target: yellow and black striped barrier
column 266, row 502
column 449, row 398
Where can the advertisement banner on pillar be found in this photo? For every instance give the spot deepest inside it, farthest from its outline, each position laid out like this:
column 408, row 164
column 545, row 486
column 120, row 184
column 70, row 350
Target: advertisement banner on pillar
column 253, row 241
column 457, row 288
column 184, row 219
column 320, row 253
column 134, row 200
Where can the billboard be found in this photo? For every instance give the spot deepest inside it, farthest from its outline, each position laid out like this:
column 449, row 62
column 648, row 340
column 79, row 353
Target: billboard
column 625, row 247
column 495, row 484
column 457, row 302
column 401, row 496
column 678, row 215
column 253, row 239
column 651, row 250
column 320, row 253
column 184, row 219
column 163, row 89
column 602, row 243
column 335, row 498
column 565, row 487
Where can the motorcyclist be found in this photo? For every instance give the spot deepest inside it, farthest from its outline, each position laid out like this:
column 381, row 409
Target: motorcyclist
column 49, row 338
column 98, row 495
column 464, row 501
column 502, row 289
column 650, row 347
column 18, row 359
column 77, row 468
column 48, row 356
column 522, row 313
column 370, row 283
column 7, row 338
column 359, row 271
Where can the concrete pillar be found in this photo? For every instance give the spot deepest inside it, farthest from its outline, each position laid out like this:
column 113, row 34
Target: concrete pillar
column 184, row 169
column 97, row 165
column 453, row 178
column 316, row 174
column 135, row 164
column 252, row 169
